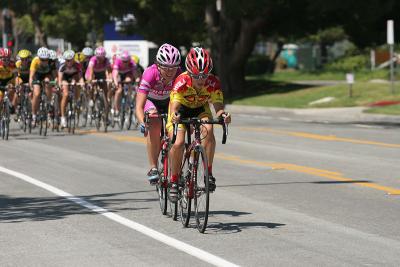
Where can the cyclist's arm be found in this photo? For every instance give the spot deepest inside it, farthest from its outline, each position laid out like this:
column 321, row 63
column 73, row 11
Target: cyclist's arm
column 32, row 73
column 60, row 77
column 140, row 102
column 115, row 76
column 174, row 109
column 219, row 111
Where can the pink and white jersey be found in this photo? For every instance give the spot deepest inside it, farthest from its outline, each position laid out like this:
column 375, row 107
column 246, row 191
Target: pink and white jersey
column 152, row 85
column 98, row 66
column 122, row 68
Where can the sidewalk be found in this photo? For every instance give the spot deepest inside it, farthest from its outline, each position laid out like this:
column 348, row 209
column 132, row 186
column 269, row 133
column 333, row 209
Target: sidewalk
column 344, row 115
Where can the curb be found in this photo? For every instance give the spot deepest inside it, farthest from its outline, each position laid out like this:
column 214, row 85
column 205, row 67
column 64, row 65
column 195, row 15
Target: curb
column 352, row 114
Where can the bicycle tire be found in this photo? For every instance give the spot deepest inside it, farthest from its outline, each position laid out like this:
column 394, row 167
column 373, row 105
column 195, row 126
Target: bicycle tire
column 56, row 113
column 7, row 121
column 122, row 117
column 201, row 199
column 174, row 210
column 2, row 127
column 162, row 185
column 186, row 194
column 85, row 109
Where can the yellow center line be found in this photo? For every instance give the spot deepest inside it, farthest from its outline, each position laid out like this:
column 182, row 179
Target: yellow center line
column 273, row 165
column 308, row 170
column 114, row 136
column 320, row 137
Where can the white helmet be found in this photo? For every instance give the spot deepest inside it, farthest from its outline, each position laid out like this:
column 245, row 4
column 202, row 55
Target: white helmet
column 69, row 54
column 52, row 55
column 43, row 53
column 87, row 51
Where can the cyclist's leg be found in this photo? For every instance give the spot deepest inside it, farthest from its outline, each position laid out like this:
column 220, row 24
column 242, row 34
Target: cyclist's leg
column 35, row 99
column 176, row 151
column 209, row 143
column 117, row 96
column 153, row 142
column 64, row 98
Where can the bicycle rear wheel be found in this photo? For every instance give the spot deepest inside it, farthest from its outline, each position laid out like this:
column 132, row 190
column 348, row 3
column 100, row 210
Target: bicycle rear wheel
column 186, row 184
column 201, row 189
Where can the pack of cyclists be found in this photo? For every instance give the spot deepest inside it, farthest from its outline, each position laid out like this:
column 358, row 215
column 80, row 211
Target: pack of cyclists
column 163, row 87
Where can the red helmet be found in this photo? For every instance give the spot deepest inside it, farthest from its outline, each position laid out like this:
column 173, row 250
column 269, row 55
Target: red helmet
column 5, row 52
column 198, row 61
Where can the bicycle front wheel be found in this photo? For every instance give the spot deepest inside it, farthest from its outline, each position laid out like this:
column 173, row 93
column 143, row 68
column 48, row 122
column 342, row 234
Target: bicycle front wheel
column 201, row 189
column 186, row 183
column 162, row 184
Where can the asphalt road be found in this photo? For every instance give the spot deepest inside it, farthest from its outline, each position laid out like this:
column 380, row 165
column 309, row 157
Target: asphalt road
column 289, row 193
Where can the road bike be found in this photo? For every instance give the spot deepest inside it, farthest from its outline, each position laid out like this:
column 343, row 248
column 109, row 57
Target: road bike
column 5, row 114
column 163, row 165
column 193, row 176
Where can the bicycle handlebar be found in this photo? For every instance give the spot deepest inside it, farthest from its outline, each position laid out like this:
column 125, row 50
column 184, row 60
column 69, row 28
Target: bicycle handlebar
column 196, row 120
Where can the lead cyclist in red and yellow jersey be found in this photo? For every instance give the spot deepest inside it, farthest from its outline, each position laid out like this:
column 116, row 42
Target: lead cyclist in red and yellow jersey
column 192, row 92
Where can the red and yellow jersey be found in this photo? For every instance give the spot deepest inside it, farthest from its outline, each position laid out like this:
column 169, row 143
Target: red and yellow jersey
column 7, row 72
column 184, row 93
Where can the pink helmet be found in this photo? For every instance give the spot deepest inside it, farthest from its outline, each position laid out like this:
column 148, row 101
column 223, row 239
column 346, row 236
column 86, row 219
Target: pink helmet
column 100, row 52
column 168, row 55
column 125, row 56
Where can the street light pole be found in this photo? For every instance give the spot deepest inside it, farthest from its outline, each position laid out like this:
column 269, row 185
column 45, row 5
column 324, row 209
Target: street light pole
column 390, row 42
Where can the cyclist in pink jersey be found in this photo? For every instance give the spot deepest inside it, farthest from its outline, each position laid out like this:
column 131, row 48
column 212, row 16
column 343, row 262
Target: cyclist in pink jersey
column 153, row 96
column 100, row 68
column 124, row 70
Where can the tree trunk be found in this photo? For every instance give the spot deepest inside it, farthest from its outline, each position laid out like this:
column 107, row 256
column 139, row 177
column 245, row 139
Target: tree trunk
column 232, row 41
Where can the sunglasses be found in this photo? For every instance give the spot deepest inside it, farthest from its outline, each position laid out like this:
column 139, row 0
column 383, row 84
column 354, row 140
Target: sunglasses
column 200, row 76
column 168, row 68
column 44, row 59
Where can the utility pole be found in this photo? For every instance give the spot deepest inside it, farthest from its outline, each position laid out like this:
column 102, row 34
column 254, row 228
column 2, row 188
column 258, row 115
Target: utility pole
column 7, row 25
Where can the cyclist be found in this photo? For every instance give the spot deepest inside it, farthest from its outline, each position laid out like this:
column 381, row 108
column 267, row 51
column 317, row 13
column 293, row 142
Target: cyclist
column 100, row 68
column 124, row 69
column 70, row 71
column 22, row 67
column 40, row 70
column 7, row 70
column 53, row 61
column 87, row 52
column 136, row 59
column 190, row 97
column 153, row 96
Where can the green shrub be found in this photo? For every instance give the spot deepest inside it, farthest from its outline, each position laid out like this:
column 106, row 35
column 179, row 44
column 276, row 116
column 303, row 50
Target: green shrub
column 346, row 64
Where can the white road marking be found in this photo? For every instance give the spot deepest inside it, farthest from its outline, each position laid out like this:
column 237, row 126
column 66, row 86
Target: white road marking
column 191, row 250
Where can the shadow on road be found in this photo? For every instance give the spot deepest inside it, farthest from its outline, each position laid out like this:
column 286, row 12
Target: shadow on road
column 236, row 227
column 23, row 209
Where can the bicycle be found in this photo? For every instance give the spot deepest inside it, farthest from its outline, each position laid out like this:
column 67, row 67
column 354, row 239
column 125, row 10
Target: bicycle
column 72, row 108
column 100, row 111
column 194, row 177
column 24, row 107
column 5, row 114
column 127, row 106
column 164, row 170
column 55, row 109
column 44, row 108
